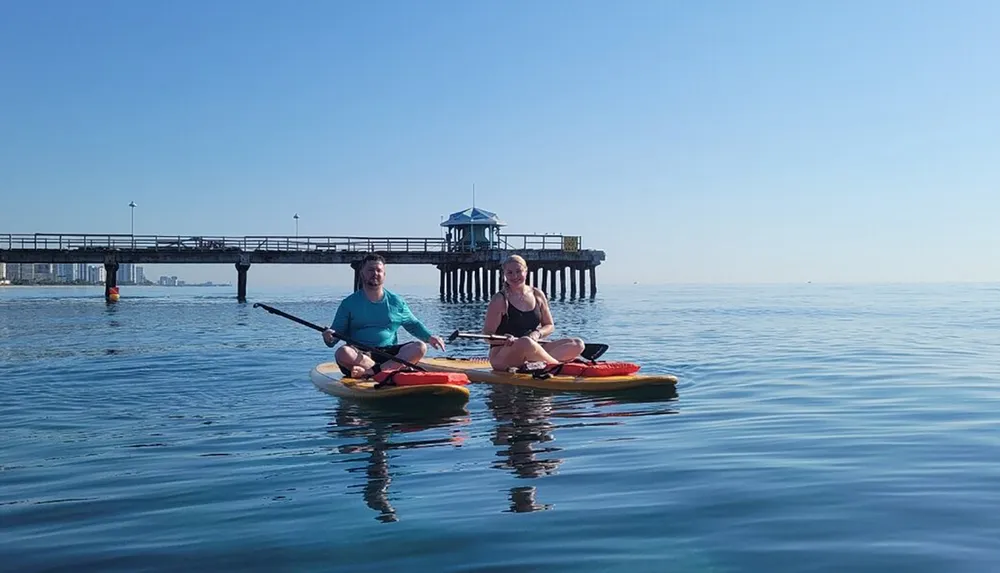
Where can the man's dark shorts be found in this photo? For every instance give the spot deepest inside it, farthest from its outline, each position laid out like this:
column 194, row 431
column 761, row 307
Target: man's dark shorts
column 379, row 359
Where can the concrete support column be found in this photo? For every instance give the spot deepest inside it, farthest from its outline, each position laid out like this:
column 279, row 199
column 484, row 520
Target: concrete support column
column 110, row 279
column 477, row 291
column 356, row 265
column 443, row 273
column 241, row 281
column 593, row 282
column 562, row 282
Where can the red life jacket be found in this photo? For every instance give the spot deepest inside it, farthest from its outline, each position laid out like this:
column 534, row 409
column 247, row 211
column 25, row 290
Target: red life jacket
column 593, row 369
column 406, row 377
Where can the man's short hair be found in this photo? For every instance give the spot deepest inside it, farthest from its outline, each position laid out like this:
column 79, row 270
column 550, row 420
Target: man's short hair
column 372, row 257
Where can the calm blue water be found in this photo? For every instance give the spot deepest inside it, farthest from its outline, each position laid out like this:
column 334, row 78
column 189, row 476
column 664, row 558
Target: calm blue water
column 815, row 428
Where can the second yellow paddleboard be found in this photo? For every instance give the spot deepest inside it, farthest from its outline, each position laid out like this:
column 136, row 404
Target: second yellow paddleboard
column 479, row 370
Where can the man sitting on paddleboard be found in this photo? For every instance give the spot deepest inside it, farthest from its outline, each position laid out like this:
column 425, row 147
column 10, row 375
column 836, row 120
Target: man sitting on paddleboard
column 372, row 316
column 521, row 313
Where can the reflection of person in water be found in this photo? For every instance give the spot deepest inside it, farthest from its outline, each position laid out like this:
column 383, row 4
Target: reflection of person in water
column 522, row 500
column 377, row 485
column 375, row 439
column 375, row 428
column 522, row 424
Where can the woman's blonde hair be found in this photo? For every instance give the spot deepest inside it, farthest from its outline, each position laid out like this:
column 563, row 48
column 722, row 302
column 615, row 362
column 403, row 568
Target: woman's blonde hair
column 514, row 259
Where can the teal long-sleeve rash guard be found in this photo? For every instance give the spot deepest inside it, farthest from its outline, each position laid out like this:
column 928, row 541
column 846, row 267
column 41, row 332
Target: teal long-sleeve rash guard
column 376, row 323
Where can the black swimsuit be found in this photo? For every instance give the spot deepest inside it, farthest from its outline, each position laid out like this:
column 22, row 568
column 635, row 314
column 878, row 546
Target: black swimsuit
column 516, row 322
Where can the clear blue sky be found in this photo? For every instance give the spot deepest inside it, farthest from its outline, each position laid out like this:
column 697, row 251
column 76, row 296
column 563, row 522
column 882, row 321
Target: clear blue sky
column 724, row 141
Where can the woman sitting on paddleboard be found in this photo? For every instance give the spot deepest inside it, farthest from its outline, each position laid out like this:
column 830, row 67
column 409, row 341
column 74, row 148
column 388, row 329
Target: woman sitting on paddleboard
column 521, row 313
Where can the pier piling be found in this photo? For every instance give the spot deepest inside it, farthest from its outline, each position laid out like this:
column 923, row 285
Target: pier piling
column 572, row 283
column 110, row 279
column 241, row 281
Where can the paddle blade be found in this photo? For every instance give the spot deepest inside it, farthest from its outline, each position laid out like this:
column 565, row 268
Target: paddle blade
column 593, row 351
column 453, row 336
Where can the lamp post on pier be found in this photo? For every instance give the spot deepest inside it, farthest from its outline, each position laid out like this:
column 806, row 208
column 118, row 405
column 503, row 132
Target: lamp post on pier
column 131, row 206
column 296, row 217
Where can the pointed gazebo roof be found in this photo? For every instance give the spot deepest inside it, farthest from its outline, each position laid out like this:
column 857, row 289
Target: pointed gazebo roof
column 473, row 216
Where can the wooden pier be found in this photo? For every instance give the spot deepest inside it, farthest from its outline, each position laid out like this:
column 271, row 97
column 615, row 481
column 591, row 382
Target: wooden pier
column 469, row 269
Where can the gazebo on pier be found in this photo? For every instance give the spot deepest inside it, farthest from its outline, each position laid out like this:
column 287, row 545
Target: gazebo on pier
column 473, row 229
column 475, row 248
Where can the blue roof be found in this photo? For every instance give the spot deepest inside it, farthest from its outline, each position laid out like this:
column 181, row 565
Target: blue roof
column 473, row 216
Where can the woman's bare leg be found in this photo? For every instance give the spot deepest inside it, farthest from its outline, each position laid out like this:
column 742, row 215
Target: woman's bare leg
column 523, row 350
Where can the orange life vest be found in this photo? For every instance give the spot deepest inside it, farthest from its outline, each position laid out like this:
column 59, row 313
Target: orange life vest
column 412, row 378
column 594, row 369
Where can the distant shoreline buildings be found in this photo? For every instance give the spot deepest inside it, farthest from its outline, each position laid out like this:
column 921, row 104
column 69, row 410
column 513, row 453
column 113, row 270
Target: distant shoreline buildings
column 81, row 274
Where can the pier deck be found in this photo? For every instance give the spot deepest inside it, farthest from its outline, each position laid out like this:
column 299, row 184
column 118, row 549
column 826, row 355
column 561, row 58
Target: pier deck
column 465, row 274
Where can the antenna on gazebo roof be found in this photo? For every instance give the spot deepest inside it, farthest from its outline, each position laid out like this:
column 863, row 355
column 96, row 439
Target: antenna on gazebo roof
column 473, row 195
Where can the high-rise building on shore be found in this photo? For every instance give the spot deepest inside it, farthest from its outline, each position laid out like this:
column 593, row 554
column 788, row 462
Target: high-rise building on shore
column 64, row 273
column 95, row 274
column 126, row 273
column 42, row 272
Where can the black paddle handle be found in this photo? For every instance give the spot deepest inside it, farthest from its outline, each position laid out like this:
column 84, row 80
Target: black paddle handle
column 354, row 343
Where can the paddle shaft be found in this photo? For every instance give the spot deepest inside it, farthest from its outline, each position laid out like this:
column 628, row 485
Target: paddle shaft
column 273, row 310
column 486, row 336
column 346, row 339
column 590, row 351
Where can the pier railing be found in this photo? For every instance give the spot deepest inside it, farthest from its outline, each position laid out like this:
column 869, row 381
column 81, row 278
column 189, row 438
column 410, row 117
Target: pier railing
column 61, row 241
column 466, row 271
column 540, row 242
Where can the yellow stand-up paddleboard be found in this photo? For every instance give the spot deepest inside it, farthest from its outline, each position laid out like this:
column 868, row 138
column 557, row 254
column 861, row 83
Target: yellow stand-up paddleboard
column 328, row 378
column 479, row 370
column 412, row 382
